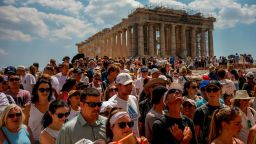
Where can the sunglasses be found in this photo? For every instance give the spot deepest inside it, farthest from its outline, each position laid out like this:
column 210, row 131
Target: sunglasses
column 94, row 104
column 215, row 89
column 13, row 115
column 14, row 79
column 44, row 90
column 176, row 91
column 61, row 115
column 122, row 125
column 113, row 89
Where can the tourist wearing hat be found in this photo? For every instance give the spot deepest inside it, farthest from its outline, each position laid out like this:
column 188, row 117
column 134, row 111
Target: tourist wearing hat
column 242, row 100
column 125, row 100
column 73, row 101
column 249, row 85
column 173, row 127
column 146, row 104
column 155, row 73
column 189, row 108
column 202, row 116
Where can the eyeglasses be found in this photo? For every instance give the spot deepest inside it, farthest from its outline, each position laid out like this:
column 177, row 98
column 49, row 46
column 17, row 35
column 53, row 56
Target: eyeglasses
column 94, row 104
column 61, row 115
column 14, row 79
column 13, row 115
column 176, row 91
column 113, row 89
column 44, row 90
column 122, row 125
column 215, row 89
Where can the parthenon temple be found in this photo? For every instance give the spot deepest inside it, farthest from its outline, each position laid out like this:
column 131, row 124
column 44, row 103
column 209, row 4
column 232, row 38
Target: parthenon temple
column 160, row 32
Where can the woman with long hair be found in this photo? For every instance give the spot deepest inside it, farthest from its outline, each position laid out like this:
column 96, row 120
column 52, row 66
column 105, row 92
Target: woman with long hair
column 53, row 120
column 225, row 125
column 41, row 97
column 12, row 129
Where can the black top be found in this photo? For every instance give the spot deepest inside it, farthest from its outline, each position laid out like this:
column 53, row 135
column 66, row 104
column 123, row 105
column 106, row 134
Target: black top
column 161, row 133
column 202, row 118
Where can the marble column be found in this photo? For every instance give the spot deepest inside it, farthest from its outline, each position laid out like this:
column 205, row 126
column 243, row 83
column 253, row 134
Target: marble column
column 193, row 43
column 173, row 41
column 134, row 41
column 151, row 40
column 114, row 45
column 119, row 48
column 162, row 40
column 210, row 43
column 183, row 41
column 129, row 42
column 124, row 48
column 203, row 46
column 140, row 40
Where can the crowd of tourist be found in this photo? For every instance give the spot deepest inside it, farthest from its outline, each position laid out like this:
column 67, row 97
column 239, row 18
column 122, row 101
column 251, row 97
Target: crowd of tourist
column 143, row 100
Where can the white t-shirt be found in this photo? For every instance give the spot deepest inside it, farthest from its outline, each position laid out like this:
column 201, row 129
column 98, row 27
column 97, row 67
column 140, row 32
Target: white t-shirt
column 28, row 81
column 62, row 79
column 251, row 116
column 131, row 107
column 55, row 84
column 139, row 83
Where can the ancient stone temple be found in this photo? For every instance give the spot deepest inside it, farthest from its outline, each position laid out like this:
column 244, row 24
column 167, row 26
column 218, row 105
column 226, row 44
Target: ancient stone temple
column 154, row 32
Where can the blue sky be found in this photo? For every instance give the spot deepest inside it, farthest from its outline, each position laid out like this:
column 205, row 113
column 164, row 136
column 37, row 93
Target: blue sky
column 38, row 30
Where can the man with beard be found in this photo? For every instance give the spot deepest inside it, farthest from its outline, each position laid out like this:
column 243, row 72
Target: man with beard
column 173, row 128
column 88, row 124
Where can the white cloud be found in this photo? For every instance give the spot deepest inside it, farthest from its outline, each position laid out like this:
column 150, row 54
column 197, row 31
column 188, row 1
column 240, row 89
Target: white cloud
column 227, row 12
column 70, row 6
column 109, row 12
column 27, row 19
column 30, row 21
column 8, row 34
column 3, row 52
column 169, row 3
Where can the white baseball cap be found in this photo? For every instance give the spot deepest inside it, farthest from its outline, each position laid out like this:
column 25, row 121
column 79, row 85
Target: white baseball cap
column 124, row 79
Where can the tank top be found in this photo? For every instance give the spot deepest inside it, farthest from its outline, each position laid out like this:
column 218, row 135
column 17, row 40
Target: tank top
column 21, row 137
column 52, row 133
column 34, row 121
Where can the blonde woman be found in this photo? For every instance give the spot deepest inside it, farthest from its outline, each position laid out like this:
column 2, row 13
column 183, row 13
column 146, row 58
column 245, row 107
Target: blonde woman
column 13, row 131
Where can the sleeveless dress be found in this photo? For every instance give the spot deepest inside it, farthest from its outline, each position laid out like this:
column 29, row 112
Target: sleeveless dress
column 53, row 133
column 34, row 122
column 21, row 137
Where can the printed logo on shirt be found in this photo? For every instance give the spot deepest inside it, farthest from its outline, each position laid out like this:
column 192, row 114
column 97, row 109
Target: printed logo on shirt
column 132, row 112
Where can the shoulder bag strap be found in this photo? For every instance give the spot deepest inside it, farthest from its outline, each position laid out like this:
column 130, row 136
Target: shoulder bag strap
column 8, row 141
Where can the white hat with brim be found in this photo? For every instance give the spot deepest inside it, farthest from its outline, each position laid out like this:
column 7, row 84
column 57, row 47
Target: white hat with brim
column 124, row 79
column 242, row 94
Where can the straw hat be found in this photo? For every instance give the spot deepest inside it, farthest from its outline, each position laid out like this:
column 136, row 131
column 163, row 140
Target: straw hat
column 153, row 82
column 242, row 94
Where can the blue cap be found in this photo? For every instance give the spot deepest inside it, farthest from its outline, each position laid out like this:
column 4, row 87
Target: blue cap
column 144, row 69
column 203, row 84
column 10, row 70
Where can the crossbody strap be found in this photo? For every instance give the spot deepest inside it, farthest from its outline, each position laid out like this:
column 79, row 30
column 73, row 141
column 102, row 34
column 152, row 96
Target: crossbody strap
column 8, row 141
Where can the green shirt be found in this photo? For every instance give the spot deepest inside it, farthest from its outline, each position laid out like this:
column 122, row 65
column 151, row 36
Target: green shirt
column 77, row 129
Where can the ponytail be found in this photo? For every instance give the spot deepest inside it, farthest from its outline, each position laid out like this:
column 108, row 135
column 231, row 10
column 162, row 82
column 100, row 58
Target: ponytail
column 47, row 119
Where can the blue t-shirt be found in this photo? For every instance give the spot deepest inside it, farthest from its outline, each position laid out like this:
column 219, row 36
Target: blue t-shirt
column 21, row 137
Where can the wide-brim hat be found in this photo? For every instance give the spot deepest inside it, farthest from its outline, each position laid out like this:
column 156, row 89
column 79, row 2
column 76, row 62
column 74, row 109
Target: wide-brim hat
column 153, row 82
column 242, row 94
